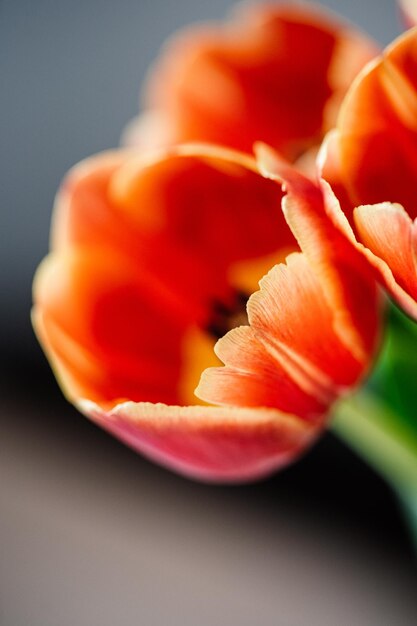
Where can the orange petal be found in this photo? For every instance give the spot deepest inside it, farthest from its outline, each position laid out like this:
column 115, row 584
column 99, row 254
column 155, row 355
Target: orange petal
column 208, row 443
column 328, row 167
column 290, row 357
column 378, row 259
column 292, row 313
column 107, row 326
column 378, row 129
column 372, row 158
column 206, row 199
column 387, row 230
column 256, row 377
column 325, row 237
column 188, row 215
column 83, row 206
column 247, row 80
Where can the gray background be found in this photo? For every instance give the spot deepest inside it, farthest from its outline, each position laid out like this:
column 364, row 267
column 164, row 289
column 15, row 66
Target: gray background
column 91, row 534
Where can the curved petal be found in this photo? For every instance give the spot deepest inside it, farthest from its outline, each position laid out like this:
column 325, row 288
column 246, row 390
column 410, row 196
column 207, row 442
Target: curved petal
column 292, row 314
column 290, row 357
column 208, row 443
column 107, row 326
column 387, row 230
column 246, row 80
column 325, row 237
column 83, row 206
column 372, row 158
column 191, row 214
column 256, row 375
column 204, row 198
column 378, row 129
column 329, row 168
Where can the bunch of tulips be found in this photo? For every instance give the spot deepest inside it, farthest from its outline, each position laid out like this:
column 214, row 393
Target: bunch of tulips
column 244, row 268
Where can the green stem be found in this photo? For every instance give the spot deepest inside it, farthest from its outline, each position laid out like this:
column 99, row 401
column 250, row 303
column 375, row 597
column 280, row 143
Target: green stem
column 378, row 436
column 384, row 442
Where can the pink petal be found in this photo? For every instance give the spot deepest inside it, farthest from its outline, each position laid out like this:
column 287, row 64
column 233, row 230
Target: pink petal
column 209, row 443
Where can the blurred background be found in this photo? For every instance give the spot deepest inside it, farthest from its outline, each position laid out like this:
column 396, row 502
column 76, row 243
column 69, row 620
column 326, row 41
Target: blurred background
column 90, row 533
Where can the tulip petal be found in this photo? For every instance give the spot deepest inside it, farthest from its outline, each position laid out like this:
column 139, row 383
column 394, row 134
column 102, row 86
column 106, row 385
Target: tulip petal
column 388, row 231
column 329, row 167
column 170, row 211
column 104, row 320
column 203, row 198
column 208, row 443
column 291, row 312
column 82, row 205
column 378, row 129
column 255, row 377
column 372, row 158
column 290, row 357
column 324, row 235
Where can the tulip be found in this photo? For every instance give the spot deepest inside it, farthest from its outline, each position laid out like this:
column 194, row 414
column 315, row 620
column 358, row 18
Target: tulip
column 153, row 261
column 371, row 162
column 274, row 73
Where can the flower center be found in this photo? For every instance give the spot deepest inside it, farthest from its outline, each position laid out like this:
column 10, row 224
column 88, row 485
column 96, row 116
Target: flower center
column 226, row 316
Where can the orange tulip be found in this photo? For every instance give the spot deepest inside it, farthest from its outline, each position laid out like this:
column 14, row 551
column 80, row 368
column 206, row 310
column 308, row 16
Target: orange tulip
column 153, row 259
column 275, row 73
column 371, row 160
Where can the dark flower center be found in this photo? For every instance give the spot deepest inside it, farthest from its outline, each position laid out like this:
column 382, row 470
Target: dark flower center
column 226, row 316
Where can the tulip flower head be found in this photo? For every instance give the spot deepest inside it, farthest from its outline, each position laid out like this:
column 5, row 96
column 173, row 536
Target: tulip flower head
column 371, row 160
column 274, row 73
column 151, row 285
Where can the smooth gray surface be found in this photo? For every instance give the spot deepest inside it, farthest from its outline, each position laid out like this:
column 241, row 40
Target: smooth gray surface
column 98, row 537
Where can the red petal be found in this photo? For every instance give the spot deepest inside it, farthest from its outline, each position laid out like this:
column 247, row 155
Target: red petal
column 209, row 443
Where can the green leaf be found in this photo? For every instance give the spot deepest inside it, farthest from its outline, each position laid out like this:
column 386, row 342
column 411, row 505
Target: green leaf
column 394, row 380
